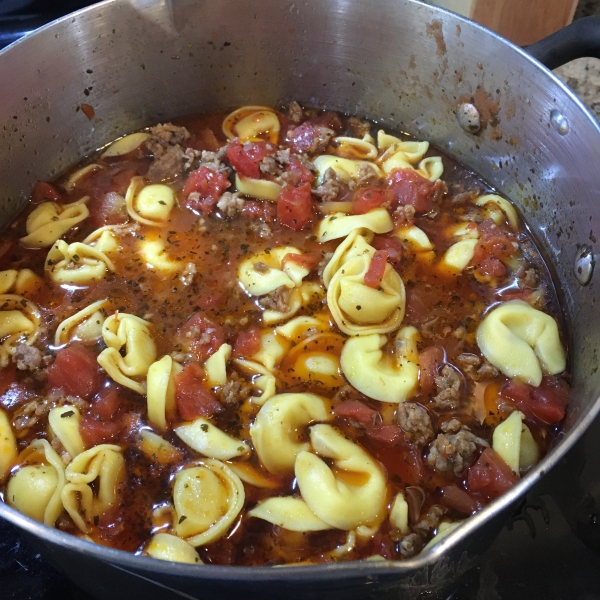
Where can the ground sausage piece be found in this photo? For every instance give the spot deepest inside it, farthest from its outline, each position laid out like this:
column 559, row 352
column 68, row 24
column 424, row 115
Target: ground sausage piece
column 358, row 128
column 530, row 279
column 415, row 422
column 431, row 521
column 330, row 188
column 235, row 390
column 410, row 545
column 448, row 387
column 230, row 204
column 270, row 166
column 166, row 166
column 324, row 262
column 295, row 113
column 27, row 358
column 277, row 300
column 404, row 215
column 453, row 449
column 164, row 135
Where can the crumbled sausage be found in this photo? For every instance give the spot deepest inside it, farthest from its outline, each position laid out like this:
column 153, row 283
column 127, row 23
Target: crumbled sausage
column 431, row 521
column 415, row 422
column 277, row 300
column 321, row 140
column 365, row 174
column 410, row 545
column 294, row 112
column 467, row 197
column 261, row 229
column 230, row 204
column 530, row 279
column 34, row 410
column 270, row 166
column 448, row 387
column 28, row 358
column 439, row 190
column 235, row 390
column 283, row 157
column 358, row 128
column 167, row 166
column 260, row 267
column 487, row 371
column 404, row 215
column 165, row 135
column 324, row 262
column 454, row 448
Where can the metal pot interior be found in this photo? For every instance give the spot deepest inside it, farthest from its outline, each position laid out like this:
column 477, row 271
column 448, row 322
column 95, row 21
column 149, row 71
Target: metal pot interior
column 403, row 63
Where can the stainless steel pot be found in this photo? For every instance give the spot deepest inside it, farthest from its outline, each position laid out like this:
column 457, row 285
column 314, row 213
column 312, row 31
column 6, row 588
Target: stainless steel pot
column 408, row 65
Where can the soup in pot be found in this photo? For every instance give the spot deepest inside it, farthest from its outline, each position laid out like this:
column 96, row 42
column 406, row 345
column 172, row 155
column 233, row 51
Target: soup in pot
column 272, row 337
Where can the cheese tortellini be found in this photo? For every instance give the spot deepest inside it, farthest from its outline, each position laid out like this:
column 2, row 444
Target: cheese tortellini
column 35, row 488
column 20, row 323
column 8, row 445
column 359, row 309
column 161, row 391
column 23, row 282
column 149, row 204
column 349, row 496
column 207, row 499
column 50, row 221
column 64, row 423
column 252, row 124
column 130, row 350
column 522, row 342
column 104, row 467
column 165, row 546
column 289, row 513
column 340, row 225
column 85, row 325
column 383, row 378
column 265, row 272
column 77, row 263
column 203, row 437
column 275, row 430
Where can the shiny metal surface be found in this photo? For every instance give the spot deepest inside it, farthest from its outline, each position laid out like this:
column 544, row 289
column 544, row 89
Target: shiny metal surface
column 403, row 63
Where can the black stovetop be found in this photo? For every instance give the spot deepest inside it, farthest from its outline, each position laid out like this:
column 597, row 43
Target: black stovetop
column 549, row 551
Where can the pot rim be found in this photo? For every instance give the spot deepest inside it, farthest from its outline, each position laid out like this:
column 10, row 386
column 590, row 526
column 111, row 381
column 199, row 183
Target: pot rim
column 123, row 560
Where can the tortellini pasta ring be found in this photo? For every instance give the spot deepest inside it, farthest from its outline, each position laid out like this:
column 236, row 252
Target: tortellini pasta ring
column 149, row 204
column 125, row 145
column 356, row 244
column 378, row 377
column 165, row 546
column 505, row 207
column 130, row 334
column 85, row 325
column 352, row 493
column 203, row 437
column 50, row 221
column 345, row 169
column 102, row 465
column 35, row 488
column 521, row 342
column 339, row 225
column 353, row 148
column 288, row 513
column 80, row 174
column 252, row 124
column 207, row 499
column 8, row 445
column 263, row 189
column 23, row 282
column 274, row 432
column 76, row 263
column 160, row 396
column 64, row 422
column 20, row 322
column 359, row 309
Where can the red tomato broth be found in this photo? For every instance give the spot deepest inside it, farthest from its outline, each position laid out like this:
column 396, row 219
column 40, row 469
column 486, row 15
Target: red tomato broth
column 437, row 304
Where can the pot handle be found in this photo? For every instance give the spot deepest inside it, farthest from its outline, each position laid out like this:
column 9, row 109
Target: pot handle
column 581, row 38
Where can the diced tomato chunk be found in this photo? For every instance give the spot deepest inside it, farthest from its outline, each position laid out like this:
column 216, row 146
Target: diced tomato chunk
column 494, row 241
column 411, row 188
column 106, row 402
column 491, row 267
column 201, row 336
column 308, row 261
column 357, row 411
column 248, row 342
column 295, row 206
column 75, row 371
column 193, row 398
column 209, row 185
column 416, row 307
column 387, row 435
column 96, row 431
column 308, row 137
column 371, row 197
column 391, row 245
column 45, row 192
column 246, row 159
column 299, row 172
column 376, row 269
column 430, row 361
column 546, row 403
column 459, row 500
column 267, row 211
column 490, row 475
